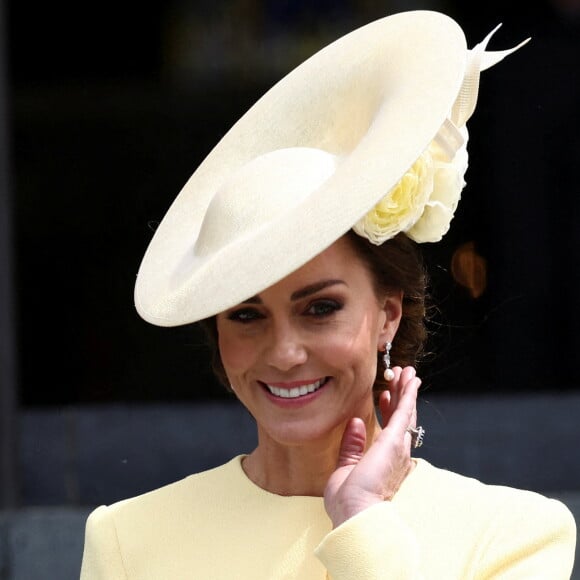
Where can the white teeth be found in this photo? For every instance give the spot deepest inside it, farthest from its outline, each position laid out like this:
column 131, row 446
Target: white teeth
column 295, row 392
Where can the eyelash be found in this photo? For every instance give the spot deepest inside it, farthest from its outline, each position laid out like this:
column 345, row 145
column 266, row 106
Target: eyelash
column 245, row 315
column 321, row 308
column 327, row 306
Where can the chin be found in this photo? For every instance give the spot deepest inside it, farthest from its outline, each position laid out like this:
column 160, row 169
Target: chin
column 303, row 433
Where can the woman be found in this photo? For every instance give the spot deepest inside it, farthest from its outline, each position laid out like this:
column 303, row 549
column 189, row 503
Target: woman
column 294, row 241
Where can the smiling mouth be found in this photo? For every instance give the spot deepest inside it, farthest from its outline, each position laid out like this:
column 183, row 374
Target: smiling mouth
column 296, row 392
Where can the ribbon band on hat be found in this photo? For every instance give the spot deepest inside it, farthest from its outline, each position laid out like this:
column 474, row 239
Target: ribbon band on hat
column 449, row 138
column 478, row 59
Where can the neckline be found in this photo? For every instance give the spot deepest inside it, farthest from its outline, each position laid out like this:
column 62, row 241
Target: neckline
column 410, row 484
column 252, row 487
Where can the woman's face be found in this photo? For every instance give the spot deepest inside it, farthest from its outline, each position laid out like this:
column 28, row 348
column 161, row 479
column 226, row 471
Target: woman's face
column 301, row 355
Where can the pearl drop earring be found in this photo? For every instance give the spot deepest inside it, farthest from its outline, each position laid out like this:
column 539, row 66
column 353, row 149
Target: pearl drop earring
column 389, row 374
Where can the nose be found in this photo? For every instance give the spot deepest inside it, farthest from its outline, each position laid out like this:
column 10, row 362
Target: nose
column 286, row 349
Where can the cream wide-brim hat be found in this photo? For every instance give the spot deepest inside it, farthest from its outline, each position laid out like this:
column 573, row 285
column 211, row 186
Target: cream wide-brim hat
column 307, row 161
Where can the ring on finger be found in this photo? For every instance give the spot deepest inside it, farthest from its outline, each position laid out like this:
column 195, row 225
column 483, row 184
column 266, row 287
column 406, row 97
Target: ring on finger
column 417, row 436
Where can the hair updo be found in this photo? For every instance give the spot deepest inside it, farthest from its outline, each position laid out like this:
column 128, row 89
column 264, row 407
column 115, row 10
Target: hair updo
column 395, row 265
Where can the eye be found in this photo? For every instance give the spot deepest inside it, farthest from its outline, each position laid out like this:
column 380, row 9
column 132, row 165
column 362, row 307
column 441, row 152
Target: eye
column 245, row 315
column 322, row 308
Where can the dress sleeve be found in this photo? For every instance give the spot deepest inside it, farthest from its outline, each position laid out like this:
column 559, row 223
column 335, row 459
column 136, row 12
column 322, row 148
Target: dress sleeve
column 533, row 540
column 374, row 544
column 523, row 537
column 102, row 558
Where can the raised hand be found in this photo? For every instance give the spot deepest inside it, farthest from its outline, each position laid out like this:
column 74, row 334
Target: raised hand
column 364, row 478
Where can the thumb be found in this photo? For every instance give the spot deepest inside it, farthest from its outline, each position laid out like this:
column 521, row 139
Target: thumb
column 353, row 443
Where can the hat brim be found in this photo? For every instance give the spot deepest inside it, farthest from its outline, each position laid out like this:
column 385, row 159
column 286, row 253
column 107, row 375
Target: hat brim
column 375, row 98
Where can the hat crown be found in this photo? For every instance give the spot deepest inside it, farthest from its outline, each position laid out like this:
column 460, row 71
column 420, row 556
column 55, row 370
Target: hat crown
column 260, row 192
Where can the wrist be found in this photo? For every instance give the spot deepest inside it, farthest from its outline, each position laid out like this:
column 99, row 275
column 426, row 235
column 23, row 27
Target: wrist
column 353, row 506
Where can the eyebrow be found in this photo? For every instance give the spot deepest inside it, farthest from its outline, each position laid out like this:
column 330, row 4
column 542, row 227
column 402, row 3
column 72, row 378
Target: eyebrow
column 303, row 292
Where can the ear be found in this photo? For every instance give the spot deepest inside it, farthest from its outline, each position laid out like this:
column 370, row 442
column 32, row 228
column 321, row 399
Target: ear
column 392, row 307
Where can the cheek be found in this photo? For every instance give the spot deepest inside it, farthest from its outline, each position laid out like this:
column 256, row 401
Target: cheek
column 355, row 351
column 357, row 368
column 236, row 355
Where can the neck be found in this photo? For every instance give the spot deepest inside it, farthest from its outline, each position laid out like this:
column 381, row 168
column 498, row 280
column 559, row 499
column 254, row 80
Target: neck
column 302, row 468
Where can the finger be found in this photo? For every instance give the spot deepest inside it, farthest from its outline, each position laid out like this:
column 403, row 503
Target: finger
column 396, row 390
column 397, row 372
column 384, row 406
column 353, row 443
column 394, row 386
column 412, row 425
column 389, row 398
column 405, row 414
column 407, row 374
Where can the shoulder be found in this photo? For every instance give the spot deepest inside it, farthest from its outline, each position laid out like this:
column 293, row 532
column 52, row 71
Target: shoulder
column 169, row 501
column 452, row 487
column 470, row 496
column 505, row 524
column 117, row 536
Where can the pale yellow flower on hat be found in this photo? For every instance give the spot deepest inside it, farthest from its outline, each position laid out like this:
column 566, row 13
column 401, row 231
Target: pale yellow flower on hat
column 368, row 133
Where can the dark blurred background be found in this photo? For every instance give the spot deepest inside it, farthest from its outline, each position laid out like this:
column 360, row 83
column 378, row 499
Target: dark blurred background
column 112, row 106
column 107, row 108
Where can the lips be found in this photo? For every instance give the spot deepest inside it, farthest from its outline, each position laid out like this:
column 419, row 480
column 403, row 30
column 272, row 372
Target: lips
column 296, row 391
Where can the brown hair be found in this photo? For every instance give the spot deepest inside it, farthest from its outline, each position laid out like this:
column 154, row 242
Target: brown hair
column 396, row 265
